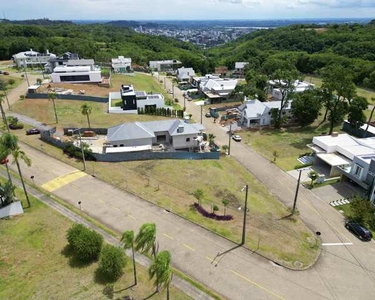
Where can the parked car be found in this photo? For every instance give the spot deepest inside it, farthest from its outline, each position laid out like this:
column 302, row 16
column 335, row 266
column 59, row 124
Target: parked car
column 236, row 137
column 32, row 131
column 359, row 230
column 207, row 115
column 16, row 126
column 5, row 73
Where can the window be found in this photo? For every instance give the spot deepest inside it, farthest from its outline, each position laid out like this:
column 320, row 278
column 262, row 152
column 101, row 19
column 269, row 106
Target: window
column 121, row 145
column 358, row 171
column 75, row 78
column 188, row 140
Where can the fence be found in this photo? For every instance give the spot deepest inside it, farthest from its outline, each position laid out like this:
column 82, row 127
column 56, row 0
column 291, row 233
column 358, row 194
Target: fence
column 68, row 97
column 358, row 132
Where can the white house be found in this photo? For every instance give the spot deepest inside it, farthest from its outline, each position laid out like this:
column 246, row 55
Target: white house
column 121, row 64
column 299, row 87
column 255, row 113
column 77, row 71
column 32, row 58
column 140, row 136
column 59, row 61
column 184, row 74
column 351, row 158
column 164, row 65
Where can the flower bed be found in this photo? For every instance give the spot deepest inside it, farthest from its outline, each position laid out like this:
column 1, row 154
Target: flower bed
column 207, row 214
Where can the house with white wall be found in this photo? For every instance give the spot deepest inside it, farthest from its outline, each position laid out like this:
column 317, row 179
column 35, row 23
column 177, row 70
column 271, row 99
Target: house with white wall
column 32, row 58
column 255, row 113
column 77, row 71
column 239, row 69
column 349, row 157
column 299, row 87
column 59, row 61
column 121, row 64
column 164, row 65
column 141, row 136
column 184, row 74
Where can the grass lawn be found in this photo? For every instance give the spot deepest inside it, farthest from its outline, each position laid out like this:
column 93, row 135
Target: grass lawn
column 9, row 87
column 170, row 184
column 36, row 263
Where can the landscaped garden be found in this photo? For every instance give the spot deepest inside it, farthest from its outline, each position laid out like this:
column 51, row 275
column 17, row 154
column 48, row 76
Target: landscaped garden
column 37, row 262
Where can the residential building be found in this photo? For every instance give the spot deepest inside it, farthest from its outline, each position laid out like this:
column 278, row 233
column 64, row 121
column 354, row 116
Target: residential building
column 59, row 61
column 141, row 136
column 299, row 87
column 351, row 158
column 121, row 64
column 133, row 100
column 184, row 74
column 214, row 88
column 255, row 113
column 77, row 71
column 32, row 58
column 239, row 69
column 221, row 71
column 164, row 65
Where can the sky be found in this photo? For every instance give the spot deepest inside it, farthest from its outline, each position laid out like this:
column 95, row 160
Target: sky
column 185, row 9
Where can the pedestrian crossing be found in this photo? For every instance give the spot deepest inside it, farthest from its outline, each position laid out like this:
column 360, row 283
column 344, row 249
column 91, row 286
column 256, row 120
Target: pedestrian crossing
column 339, row 202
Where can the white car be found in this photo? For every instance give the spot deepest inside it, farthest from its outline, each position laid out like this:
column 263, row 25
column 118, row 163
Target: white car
column 236, row 137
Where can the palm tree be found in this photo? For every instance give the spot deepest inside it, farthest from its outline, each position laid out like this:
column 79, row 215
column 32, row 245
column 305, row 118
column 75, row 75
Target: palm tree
column 145, row 239
column 52, row 97
column 9, row 146
column 5, row 120
column 211, row 138
column 160, row 269
column 128, row 242
column 86, row 110
column 4, row 88
column 225, row 203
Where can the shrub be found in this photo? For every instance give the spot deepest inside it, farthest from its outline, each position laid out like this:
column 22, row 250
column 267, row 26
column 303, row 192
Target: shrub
column 112, row 261
column 86, row 243
column 207, row 214
column 11, row 81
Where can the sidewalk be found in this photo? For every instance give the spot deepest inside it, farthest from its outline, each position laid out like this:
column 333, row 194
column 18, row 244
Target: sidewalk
column 179, row 283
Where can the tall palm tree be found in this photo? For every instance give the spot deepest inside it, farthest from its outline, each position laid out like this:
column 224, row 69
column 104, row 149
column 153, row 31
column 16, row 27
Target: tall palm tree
column 211, row 138
column 86, row 110
column 145, row 239
column 128, row 242
column 4, row 88
column 9, row 146
column 52, row 97
column 7, row 127
column 160, row 271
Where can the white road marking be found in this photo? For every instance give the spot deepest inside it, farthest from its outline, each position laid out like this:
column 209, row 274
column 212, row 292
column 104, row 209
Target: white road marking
column 336, row 244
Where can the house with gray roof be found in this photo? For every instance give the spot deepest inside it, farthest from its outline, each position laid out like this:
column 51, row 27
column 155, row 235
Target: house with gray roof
column 184, row 74
column 255, row 113
column 141, row 136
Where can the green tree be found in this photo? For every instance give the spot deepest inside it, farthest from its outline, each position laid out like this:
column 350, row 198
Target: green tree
column 225, row 203
column 306, row 107
column 362, row 210
column 5, row 120
column 11, row 81
column 52, row 97
column 356, row 116
column 9, row 146
column 211, row 138
column 86, row 110
column 160, row 271
column 127, row 240
column 145, row 239
column 215, row 208
column 199, row 195
column 112, row 261
column 39, row 81
column 7, row 193
column 313, row 175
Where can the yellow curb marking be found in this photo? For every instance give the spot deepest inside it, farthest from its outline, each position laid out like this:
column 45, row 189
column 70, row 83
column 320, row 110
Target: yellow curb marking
column 209, row 258
column 257, row 285
column 187, row 246
column 130, row 216
column 115, row 207
column 168, row 236
column 60, row 181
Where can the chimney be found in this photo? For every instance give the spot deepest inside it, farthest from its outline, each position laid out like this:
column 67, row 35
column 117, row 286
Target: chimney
column 335, row 134
column 180, row 128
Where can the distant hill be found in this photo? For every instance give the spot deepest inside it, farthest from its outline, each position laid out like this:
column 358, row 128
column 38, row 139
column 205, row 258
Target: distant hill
column 44, row 22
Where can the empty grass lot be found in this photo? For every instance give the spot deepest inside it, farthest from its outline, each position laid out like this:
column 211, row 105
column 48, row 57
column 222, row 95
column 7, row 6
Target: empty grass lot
column 35, row 263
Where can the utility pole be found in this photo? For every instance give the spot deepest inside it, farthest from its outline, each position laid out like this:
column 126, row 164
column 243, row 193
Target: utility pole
column 201, row 113
column 24, row 68
column 230, row 137
column 83, row 153
column 296, row 194
column 246, row 187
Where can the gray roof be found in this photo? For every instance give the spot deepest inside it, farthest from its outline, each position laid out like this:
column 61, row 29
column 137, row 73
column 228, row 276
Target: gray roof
column 140, row 130
column 129, row 131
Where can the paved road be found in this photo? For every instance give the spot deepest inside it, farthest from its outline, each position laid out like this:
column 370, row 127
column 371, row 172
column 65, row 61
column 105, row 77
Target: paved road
column 343, row 272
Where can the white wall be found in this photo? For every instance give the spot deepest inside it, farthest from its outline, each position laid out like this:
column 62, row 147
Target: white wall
column 179, row 142
column 12, row 209
column 134, row 142
column 95, row 76
column 158, row 102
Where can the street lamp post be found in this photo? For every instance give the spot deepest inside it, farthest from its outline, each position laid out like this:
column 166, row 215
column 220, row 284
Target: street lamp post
column 246, row 188
column 297, row 189
column 230, row 136
column 81, row 145
column 201, row 113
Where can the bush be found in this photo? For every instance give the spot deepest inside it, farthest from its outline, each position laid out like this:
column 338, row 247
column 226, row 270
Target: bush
column 112, row 261
column 86, row 243
column 207, row 214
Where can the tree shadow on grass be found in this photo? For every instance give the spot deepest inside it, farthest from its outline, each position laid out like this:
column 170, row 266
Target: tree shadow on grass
column 74, row 261
column 150, row 296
